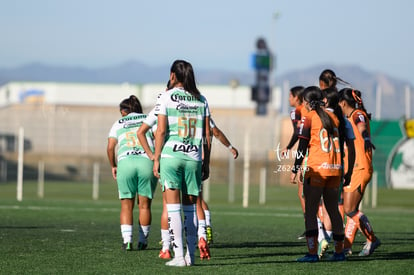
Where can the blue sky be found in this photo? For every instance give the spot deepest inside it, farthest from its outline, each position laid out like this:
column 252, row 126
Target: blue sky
column 214, row 34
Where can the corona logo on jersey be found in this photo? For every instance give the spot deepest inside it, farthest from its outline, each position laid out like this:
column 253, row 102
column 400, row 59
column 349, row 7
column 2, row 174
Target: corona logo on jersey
column 178, row 98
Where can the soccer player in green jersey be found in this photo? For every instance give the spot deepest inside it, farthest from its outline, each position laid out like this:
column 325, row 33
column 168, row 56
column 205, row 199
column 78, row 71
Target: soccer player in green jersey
column 182, row 127
column 132, row 169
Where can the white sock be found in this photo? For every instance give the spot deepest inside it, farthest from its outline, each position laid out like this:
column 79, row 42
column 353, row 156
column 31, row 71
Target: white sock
column 126, row 231
column 208, row 217
column 202, row 229
column 143, row 233
column 175, row 228
column 190, row 225
column 321, row 233
column 165, row 237
column 328, row 236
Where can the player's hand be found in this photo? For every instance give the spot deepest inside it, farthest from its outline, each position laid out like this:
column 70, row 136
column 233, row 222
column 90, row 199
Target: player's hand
column 293, row 178
column 205, row 171
column 234, row 152
column 114, row 170
column 156, row 168
column 368, row 145
column 300, row 176
column 347, row 179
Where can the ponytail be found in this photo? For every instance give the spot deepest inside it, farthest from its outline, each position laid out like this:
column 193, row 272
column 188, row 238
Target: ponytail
column 313, row 95
column 329, row 78
column 354, row 99
column 131, row 105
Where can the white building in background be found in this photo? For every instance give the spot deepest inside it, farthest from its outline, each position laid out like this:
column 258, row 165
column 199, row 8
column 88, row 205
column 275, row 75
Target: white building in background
column 74, row 118
column 66, row 125
column 106, row 95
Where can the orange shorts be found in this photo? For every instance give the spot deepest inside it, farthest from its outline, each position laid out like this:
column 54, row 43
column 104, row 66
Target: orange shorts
column 360, row 179
column 325, row 181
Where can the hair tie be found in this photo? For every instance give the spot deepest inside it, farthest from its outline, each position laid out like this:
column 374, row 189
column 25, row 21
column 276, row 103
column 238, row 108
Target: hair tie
column 316, row 103
column 356, row 97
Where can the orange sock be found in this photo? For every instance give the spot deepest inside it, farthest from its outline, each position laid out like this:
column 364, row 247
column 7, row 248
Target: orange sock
column 350, row 232
column 365, row 227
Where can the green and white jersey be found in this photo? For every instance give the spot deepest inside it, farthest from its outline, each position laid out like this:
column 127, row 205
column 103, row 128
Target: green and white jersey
column 125, row 131
column 185, row 125
column 151, row 120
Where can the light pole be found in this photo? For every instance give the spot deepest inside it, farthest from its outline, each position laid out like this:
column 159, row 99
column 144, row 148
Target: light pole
column 234, row 83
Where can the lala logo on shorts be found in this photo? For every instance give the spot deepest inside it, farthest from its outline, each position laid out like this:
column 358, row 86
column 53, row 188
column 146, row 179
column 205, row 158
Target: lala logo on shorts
column 185, row 148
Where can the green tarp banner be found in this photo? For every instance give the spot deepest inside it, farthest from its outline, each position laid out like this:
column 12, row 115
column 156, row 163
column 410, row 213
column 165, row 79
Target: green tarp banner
column 393, row 158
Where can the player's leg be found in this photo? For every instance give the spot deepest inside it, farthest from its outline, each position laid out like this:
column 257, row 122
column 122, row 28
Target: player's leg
column 358, row 220
column 175, row 226
column 202, row 233
column 171, row 171
column 302, row 204
column 190, row 226
column 145, row 218
column 325, row 229
column 207, row 214
column 192, row 190
column 127, row 188
column 330, row 196
column 146, row 187
column 165, row 234
column 312, row 198
column 352, row 198
column 327, row 224
column 351, row 205
column 126, row 221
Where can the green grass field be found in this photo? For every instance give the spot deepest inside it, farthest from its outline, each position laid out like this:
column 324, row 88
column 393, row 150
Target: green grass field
column 69, row 233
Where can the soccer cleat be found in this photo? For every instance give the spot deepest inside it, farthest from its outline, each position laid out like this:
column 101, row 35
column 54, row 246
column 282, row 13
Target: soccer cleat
column 204, row 250
column 308, row 258
column 302, row 236
column 127, row 246
column 337, row 257
column 177, row 262
column 370, row 247
column 142, row 246
column 166, row 255
column 209, row 232
column 322, row 247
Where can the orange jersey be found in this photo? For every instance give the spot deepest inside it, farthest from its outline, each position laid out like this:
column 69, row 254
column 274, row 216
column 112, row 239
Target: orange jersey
column 300, row 112
column 324, row 157
column 363, row 159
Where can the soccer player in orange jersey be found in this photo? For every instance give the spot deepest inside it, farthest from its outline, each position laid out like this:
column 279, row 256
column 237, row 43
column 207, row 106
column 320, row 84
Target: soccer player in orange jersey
column 319, row 135
column 353, row 107
column 327, row 83
column 296, row 101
